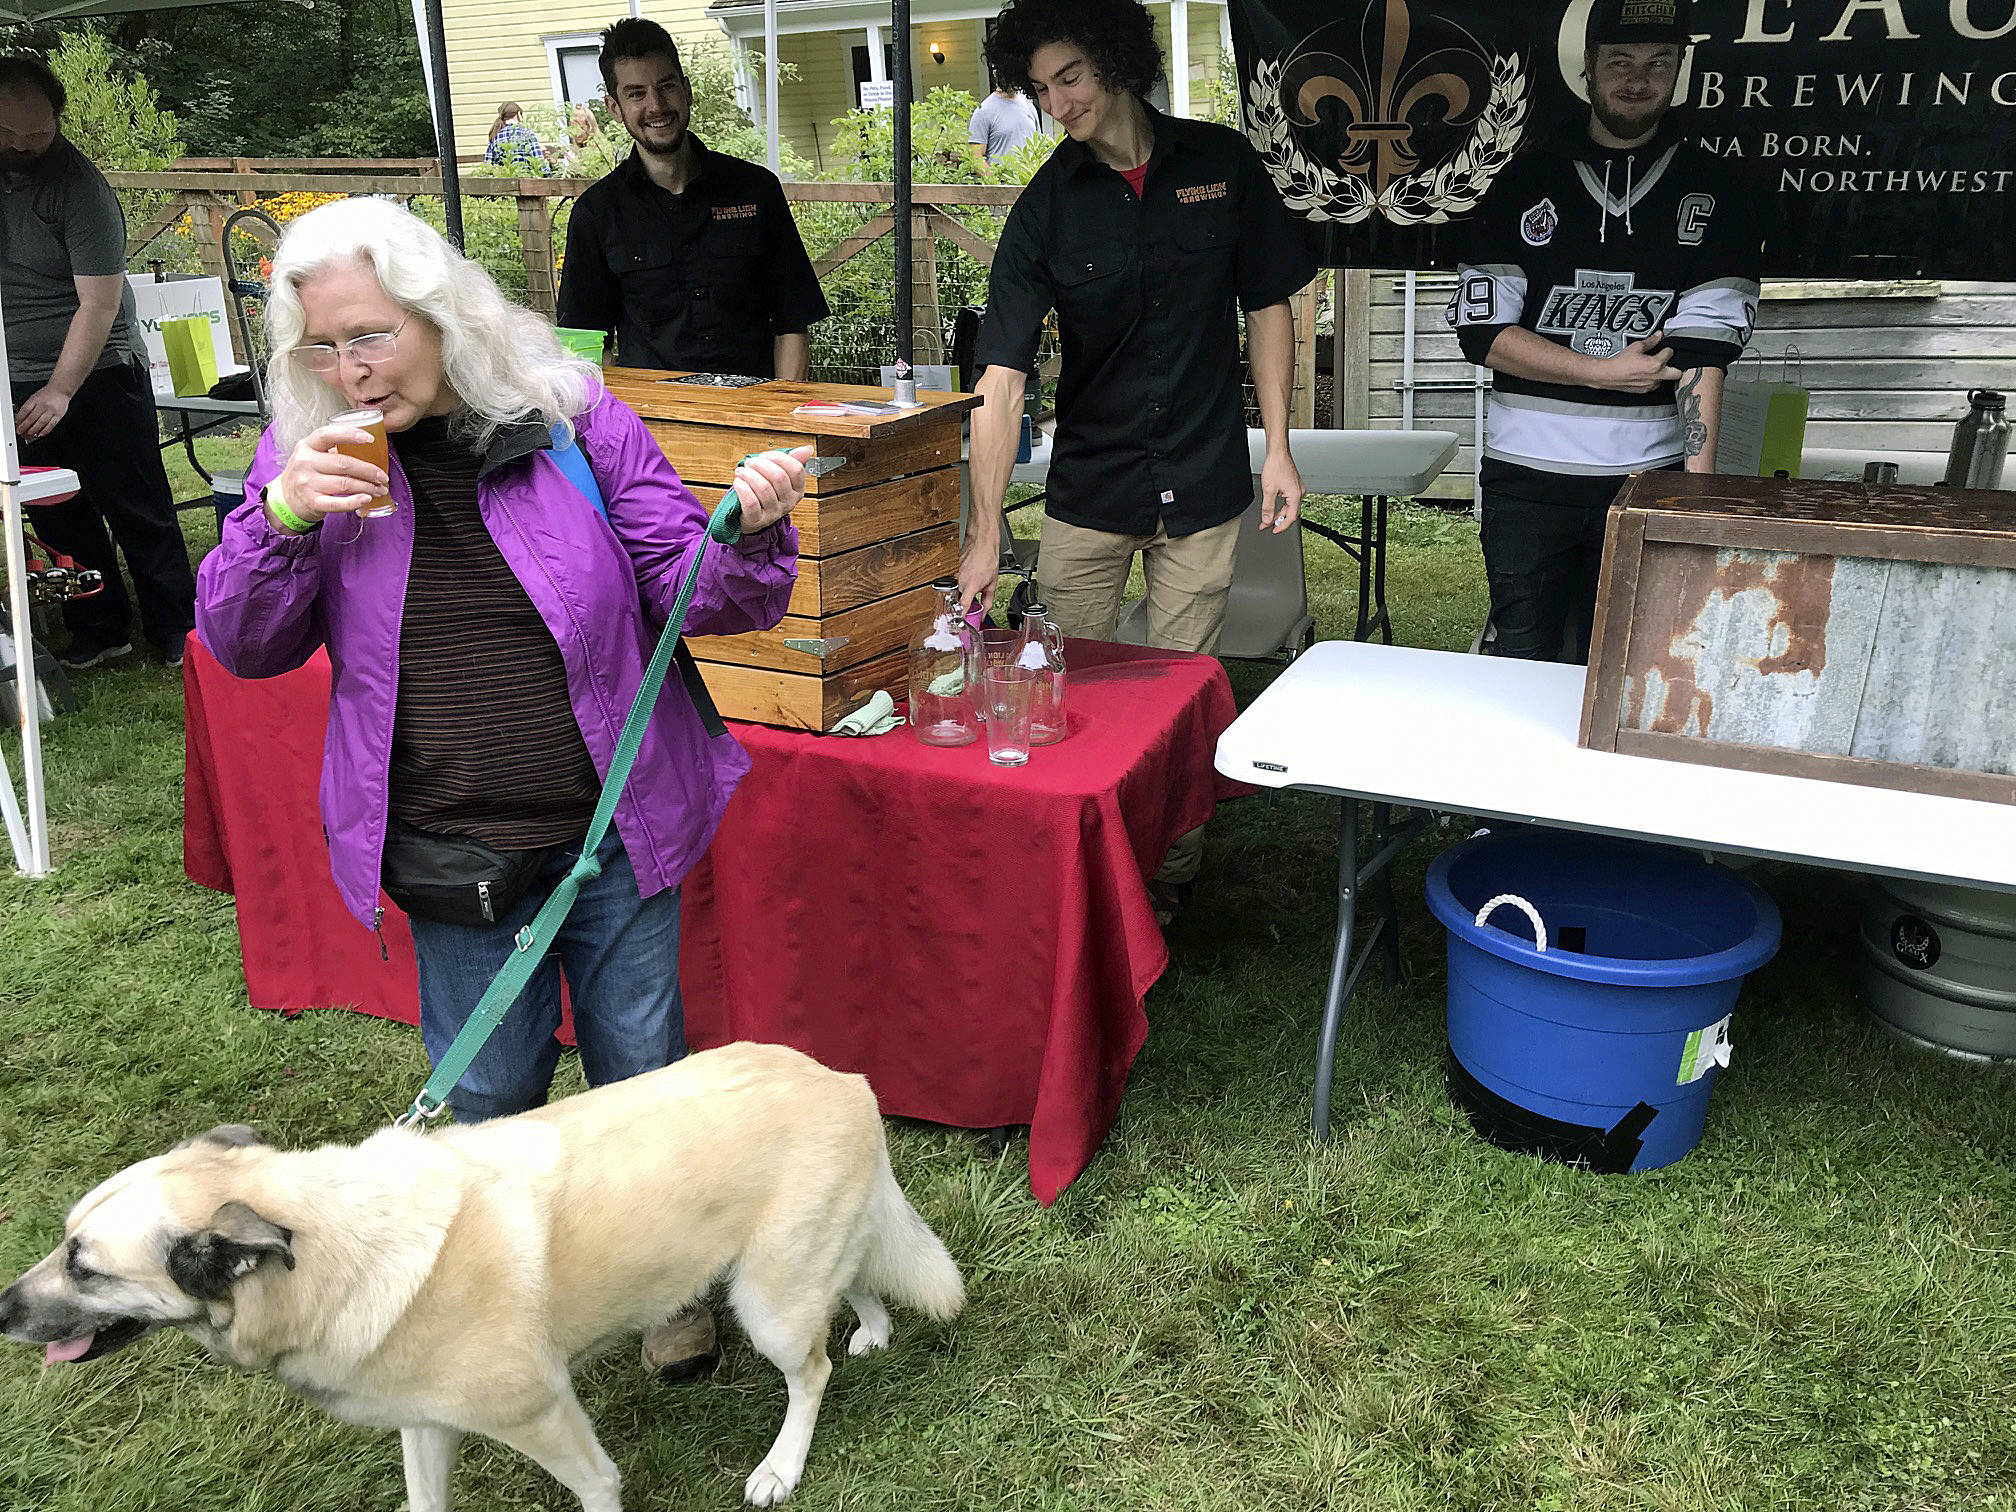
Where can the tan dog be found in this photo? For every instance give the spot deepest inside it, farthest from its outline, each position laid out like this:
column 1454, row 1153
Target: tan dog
column 444, row 1284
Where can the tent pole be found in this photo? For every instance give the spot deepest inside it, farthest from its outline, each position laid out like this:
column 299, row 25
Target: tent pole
column 770, row 141
column 906, row 381
column 436, row 42
column 34, row 860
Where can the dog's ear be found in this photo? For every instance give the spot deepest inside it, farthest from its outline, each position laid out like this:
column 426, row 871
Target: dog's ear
column 209, row 1262
column 230, row 1136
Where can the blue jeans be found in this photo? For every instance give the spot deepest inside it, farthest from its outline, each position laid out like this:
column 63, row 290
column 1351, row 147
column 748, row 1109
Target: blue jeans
column 620, row 956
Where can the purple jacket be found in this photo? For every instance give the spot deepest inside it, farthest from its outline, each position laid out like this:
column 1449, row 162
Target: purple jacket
column 267, row 599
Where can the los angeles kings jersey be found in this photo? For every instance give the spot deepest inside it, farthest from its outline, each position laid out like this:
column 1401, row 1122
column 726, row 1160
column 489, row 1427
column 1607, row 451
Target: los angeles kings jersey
column 1594, row 249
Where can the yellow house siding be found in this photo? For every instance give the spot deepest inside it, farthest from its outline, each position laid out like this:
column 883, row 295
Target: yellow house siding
column 497, row 49
column 823, row 90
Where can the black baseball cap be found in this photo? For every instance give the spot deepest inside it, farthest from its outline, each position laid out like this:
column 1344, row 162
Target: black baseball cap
column 1630, row 21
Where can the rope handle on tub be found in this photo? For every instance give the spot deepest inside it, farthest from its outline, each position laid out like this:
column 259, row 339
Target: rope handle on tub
column 1532, row 913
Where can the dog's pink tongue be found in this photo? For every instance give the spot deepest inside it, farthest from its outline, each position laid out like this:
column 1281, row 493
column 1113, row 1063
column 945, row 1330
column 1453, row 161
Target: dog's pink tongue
column 66, row 1351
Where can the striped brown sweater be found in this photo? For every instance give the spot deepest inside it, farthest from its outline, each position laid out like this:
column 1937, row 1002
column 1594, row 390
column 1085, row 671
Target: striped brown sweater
column 484, row 742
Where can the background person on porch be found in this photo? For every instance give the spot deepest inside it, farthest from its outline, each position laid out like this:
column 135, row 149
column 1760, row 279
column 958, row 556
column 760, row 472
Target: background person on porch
column 82, row 395
column 1145, row 234
column 1610, row 281
column 487, row 639
column 690, row 258
column 1001, row 123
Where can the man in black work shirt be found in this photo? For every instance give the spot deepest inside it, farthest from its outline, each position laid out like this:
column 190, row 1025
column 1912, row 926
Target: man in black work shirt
column 690, row 258
column 1145, row 234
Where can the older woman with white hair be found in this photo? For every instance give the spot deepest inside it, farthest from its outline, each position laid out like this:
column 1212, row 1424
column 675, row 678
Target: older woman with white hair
column 487, row 633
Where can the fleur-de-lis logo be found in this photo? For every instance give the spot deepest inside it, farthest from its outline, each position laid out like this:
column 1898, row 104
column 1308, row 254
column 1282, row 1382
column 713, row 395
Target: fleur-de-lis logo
column 1383, row 96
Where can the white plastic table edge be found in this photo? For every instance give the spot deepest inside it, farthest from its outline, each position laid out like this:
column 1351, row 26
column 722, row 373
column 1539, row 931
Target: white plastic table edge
column 1236, row 758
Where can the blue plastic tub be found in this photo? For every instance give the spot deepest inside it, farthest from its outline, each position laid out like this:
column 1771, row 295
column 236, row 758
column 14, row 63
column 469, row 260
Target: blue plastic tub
column 1602, row 1049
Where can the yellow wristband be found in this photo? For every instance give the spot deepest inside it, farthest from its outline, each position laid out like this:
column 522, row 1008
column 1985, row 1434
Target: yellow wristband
column 285, row 518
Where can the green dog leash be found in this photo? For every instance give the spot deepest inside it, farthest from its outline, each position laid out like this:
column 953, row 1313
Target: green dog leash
column 536, row 938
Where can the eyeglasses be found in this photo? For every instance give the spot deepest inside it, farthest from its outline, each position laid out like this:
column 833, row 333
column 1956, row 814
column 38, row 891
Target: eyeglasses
column 324, row 357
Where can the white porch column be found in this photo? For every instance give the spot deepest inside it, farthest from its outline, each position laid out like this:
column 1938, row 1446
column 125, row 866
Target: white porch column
column 745, row 81
column 1225, row 45
column 770, row 83
column 1179, row 57
column 878, row 64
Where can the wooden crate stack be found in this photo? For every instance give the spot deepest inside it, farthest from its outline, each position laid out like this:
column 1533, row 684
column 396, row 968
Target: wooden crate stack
column 871, row 536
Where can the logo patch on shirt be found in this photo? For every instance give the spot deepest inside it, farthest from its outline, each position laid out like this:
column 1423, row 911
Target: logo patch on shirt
column 1538, row 225
column 1168, row 496
column 1600, row 313
column 1196, row 194
column 734, row 212
column 1694, row 212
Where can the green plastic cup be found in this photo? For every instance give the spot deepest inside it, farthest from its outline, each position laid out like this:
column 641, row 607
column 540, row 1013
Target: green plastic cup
column 587, row 345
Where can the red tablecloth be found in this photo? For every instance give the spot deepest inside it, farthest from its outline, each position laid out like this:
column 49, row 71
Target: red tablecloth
column 976, row 941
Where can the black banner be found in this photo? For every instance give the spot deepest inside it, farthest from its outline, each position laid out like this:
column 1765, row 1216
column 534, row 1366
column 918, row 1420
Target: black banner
column 1886, row 128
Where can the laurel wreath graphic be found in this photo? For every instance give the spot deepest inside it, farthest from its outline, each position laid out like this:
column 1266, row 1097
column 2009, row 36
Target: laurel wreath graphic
column 1428, row 197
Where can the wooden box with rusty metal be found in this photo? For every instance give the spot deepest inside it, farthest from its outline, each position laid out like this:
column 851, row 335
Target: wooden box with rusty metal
column 1863, row 633
column 871, row 535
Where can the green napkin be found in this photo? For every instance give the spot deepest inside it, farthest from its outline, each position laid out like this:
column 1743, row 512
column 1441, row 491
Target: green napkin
column 878, row 716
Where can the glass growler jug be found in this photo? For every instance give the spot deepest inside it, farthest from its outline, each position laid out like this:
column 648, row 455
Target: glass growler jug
column 945, row 674
column 1043, row 654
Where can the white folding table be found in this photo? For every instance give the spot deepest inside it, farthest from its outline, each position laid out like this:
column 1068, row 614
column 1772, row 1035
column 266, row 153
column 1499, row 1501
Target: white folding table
column 200, row 415
column 1436, row 731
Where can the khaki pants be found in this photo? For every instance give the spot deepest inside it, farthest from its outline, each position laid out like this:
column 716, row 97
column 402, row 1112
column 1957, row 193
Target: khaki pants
column 1081, row 576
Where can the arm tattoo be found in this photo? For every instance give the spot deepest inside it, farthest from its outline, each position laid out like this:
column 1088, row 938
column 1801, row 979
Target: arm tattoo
column 1687, row 395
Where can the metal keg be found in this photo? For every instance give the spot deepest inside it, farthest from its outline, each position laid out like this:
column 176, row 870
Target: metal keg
column 1939, row 966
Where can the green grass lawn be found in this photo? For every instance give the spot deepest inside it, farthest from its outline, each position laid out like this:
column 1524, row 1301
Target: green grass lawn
column 1817, row 1309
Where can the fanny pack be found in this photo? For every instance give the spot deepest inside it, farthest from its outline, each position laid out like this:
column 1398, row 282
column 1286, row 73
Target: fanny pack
column 452, row 879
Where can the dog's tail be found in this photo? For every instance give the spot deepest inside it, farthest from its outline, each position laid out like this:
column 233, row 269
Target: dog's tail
column 905, row 1261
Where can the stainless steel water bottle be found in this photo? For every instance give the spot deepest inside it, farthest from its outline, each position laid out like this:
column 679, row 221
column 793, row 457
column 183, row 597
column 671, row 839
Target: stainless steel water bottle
column 1980, row 443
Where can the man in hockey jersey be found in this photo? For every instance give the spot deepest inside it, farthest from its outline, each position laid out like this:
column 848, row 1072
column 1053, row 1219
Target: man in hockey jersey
column 1611, row 281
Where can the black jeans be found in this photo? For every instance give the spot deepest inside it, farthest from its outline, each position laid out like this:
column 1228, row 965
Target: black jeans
column 1543, row 561
column 111, row 438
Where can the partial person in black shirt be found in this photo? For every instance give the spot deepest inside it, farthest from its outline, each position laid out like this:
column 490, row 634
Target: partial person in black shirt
column 1146, row 235
column 690, row 259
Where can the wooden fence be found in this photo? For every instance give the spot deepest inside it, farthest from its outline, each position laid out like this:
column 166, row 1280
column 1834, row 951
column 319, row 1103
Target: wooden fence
column 1888, row 364
column 207, row 190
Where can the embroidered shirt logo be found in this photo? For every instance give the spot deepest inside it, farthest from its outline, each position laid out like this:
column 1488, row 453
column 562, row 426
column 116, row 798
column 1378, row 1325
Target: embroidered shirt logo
column 1601, row 312
column 734, row 212
column 1694, row 212
column 1196, row 194
column 1537, row 226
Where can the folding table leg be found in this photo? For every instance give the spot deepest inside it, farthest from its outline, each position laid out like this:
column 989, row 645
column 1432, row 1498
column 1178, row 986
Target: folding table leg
column 1366, row 545
column 189, row 445
column 1378, row 554
column 1343, row 978
column 1382, row 835
column 1383, row 939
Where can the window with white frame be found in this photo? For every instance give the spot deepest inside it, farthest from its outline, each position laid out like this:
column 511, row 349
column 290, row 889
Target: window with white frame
column 572, row 63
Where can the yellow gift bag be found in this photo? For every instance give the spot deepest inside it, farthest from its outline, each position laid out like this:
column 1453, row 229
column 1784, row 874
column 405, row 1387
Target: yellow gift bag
column 192, row 355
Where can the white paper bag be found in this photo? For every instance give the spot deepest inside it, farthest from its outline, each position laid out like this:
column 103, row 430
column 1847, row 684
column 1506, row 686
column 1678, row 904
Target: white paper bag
column 173, row 300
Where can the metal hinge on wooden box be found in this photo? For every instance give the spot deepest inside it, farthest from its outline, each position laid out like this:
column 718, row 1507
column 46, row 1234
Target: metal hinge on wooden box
column 1861, row 633
column 871, row 536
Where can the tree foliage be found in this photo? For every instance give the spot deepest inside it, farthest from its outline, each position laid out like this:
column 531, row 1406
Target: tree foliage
column 113, row 117
column 339, row 79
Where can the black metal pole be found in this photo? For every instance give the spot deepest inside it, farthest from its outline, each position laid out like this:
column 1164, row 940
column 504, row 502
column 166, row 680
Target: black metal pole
column 436, row 42
column 901, row 19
